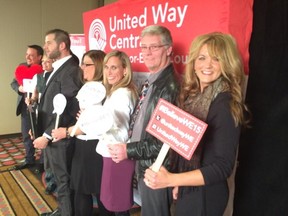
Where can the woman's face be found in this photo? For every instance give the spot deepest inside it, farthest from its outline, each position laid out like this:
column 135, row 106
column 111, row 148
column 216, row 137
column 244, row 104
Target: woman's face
column 88, row 68
column 47, row 64
column 114, row 71
column 207, row 68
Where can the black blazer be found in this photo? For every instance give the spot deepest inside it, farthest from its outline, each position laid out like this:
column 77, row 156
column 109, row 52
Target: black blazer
column 21, row 96
column 65, row 80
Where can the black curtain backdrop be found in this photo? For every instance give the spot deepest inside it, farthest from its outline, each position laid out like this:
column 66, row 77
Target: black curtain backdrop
column 262, row 174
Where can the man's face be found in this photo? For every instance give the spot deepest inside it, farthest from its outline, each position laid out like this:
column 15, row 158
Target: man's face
column 155, row 53
column 51, row 47
column 32, row 56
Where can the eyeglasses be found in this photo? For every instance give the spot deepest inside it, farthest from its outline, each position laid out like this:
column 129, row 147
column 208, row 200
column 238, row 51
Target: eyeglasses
column 86, row 65
column 151, row 48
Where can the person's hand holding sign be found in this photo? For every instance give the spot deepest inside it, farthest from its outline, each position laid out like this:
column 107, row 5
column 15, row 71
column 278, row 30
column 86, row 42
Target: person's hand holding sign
column 157, row 180
column 161, row 179
column 92, row 119
column 211, row 91
column 176, row 129
column 28, row 86
column 59, row 103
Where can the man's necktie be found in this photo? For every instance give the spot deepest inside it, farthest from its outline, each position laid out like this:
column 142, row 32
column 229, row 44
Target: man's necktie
column 142, row 95
column 46, row 76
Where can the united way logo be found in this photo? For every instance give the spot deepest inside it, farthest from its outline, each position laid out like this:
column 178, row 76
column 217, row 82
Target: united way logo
column 97, row 35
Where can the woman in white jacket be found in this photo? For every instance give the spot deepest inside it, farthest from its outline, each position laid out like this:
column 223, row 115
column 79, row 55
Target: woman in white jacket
column 116, row 187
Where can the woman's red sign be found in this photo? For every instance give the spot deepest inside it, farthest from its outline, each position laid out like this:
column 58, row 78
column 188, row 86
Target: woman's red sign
column 180, row 130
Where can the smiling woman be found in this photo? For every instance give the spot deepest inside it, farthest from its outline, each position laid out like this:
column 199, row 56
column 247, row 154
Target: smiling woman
column 207, row 68
column 114, row 71
column 120, row 102
column 211, row 92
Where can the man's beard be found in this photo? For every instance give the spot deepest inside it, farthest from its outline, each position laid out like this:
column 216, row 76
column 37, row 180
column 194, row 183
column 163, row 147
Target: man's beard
column 55, row 54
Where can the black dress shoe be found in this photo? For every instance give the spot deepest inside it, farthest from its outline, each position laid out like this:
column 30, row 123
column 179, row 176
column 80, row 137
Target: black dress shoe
column 50, row 189
column 39, row 168
column 23, row 165
column 54, row 213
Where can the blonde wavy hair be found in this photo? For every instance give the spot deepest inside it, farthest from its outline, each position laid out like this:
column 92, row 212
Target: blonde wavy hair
column 127, row 80
column 224, row 48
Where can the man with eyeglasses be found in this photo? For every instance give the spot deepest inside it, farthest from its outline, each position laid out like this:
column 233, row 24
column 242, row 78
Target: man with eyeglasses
column 156, row 47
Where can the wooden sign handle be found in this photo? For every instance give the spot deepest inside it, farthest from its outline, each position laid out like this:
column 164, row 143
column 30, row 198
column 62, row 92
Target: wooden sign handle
column 161, row 156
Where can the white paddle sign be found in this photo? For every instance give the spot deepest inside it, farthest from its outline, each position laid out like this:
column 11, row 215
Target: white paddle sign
column 59, row 103
column 28, row 86
column 92, row 93
column 95, row 120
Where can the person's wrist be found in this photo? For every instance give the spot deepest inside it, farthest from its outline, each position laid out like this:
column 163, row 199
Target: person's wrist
column 67, row 133
column 46, row 138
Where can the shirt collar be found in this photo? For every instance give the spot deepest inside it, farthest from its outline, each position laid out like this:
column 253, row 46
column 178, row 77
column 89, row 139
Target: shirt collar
column 57, row 64
column 154, row 76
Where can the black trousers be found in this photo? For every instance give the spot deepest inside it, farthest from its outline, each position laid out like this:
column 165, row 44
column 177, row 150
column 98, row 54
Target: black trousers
column 58, row 156
column 83, row 205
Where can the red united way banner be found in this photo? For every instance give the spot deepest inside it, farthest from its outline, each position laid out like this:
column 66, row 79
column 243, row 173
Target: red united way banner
column 180, row 130
column 118, row 25
column 78, row 46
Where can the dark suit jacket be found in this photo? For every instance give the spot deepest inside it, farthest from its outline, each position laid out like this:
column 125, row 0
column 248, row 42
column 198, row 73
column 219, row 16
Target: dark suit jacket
column 21, row 97
column 65, row 80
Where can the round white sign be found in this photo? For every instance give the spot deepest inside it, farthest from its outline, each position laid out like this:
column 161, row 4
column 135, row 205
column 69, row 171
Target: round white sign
column 95, row 120
column 59, row 103
column 91, row 93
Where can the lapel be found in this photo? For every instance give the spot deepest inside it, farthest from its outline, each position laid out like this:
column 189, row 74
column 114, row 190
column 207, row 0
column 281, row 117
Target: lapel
column 56, row 73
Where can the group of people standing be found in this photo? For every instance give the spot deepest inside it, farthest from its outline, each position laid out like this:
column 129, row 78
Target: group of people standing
column 104, row 166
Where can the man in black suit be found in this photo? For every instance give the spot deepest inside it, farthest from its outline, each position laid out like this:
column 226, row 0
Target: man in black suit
column 64, row 79
column 33, row 56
